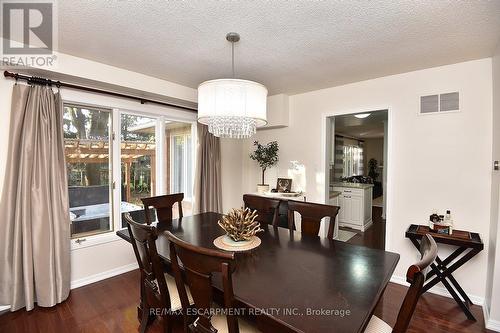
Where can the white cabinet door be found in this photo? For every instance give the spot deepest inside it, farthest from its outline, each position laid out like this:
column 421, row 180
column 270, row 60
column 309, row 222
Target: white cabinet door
column 345, row 209
column 356, row 210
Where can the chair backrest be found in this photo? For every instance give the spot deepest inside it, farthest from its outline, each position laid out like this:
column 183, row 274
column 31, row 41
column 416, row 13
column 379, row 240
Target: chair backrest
column 311, row 215
column 267, row 208
column 153, row 285
column 199, row 265
column 416, row 277
column 163, row 205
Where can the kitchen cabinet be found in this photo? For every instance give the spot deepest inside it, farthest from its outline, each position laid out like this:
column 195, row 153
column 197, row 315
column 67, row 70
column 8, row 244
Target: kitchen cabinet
column 355, row 203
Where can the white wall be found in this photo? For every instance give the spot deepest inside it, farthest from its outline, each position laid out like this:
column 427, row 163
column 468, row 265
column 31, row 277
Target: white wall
column 432, row 163
column 493, row 283
column 115, row 256
column 83, row 70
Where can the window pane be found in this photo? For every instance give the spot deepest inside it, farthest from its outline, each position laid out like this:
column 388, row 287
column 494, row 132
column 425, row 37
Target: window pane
column 353, row 161
column 138, row 164
column 179, row 163
column 87, row 144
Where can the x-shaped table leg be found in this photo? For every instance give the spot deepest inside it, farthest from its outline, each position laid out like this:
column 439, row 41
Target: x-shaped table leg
column 442, row 273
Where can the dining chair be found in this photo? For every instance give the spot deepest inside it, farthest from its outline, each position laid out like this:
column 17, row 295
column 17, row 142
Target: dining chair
column 416, row 277
column 267, row 208
column 163, row 205
column 311, row 215
column 199, row 266
column 158, row 290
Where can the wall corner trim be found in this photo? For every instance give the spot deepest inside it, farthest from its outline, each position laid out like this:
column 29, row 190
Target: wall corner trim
column 493, row 325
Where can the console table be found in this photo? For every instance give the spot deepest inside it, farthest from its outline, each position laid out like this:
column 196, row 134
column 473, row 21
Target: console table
column 468, row 245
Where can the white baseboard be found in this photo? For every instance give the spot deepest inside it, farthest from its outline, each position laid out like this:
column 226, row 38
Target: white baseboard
column 441, row 291
column 103, row 275
column 92, row 279
column 493, row 325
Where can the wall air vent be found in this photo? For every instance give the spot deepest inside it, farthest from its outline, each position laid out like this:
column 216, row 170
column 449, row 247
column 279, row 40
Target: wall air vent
column 448, row 102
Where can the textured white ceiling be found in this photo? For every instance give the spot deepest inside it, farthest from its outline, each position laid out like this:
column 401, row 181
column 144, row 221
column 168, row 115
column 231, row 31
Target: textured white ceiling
column 364, row 128
column 290, row 46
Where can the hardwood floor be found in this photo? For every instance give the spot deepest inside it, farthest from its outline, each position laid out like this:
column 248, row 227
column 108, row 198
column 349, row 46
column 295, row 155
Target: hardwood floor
column 111, row 306
column 373, row 237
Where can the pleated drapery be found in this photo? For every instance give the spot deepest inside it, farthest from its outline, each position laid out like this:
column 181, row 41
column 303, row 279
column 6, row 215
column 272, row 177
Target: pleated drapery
column 208, row 188
column 35, row 226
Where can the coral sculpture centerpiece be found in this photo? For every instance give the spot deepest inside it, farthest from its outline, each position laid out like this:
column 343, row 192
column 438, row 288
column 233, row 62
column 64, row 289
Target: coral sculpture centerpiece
column 240, row 224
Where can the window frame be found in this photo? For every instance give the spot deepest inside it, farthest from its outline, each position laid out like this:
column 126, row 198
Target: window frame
column 185, row 166
column 160, row 116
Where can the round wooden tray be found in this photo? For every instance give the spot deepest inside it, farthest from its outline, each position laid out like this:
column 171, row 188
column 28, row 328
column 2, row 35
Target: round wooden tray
column 225, row 242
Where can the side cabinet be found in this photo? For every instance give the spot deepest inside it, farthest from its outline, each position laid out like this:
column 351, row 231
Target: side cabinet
column 355, row 207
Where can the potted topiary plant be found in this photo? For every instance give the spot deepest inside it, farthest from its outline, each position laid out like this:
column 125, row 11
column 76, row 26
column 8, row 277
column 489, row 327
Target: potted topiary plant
column 372, row 169
column 266, row 156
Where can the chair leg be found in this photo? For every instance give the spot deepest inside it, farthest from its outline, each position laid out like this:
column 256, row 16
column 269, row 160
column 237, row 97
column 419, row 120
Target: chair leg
column 144, row 320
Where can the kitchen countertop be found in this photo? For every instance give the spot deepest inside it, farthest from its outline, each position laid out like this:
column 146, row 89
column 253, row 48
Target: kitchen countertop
column 282, row 196
column 353, row 185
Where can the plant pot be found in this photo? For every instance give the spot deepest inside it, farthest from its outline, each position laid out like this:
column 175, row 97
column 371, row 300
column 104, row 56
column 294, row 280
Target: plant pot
column 261, row 189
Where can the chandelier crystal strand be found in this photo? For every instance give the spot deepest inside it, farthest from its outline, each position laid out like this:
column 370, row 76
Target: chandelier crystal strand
column 232, row 108
column 232, row 127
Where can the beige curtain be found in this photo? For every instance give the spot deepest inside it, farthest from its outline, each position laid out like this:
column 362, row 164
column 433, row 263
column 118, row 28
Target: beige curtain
column 34, row 229
column 207, row 189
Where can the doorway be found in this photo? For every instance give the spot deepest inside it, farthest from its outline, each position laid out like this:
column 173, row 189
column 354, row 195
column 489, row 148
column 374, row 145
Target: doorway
column 356, row 175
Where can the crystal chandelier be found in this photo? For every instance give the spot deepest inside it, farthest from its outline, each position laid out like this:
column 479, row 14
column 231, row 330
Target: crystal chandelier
column 232, row 108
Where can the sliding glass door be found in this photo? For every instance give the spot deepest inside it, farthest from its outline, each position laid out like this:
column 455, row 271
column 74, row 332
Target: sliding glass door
column 152, row 156
column 138, row 163
column 87, row 143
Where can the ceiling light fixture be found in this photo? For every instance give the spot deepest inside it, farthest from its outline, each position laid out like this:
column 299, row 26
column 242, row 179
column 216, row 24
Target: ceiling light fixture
column 232, row 108
column 362, row 115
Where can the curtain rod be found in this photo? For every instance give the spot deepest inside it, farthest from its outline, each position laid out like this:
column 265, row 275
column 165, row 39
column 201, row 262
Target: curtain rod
column 44, row 81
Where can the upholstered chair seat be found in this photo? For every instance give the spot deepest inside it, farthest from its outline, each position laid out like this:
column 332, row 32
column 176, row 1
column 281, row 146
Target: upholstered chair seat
column 175, row 300
column 377, row 325
column 220, row 323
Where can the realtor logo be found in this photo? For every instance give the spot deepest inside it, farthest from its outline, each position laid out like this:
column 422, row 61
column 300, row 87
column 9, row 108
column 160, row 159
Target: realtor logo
column 28, row 29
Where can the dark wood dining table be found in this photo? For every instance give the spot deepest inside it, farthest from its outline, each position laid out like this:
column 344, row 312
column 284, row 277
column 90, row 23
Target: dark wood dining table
column 295, row 282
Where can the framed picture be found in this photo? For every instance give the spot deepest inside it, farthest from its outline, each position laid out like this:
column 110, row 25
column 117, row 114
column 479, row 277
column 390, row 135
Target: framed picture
column 284, row 185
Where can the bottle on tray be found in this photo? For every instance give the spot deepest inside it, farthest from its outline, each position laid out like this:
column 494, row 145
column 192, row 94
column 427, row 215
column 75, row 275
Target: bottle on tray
column 441, row 224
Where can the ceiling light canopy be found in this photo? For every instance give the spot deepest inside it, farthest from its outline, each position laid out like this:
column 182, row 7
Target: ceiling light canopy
column 232, row 108
column 362, row 115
